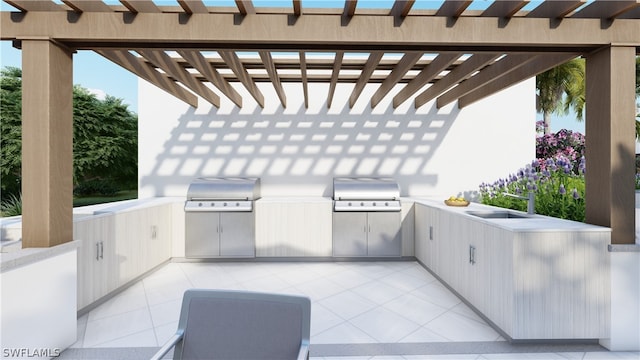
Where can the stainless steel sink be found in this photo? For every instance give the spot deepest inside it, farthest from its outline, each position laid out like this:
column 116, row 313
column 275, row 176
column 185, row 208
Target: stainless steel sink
column 497, row 215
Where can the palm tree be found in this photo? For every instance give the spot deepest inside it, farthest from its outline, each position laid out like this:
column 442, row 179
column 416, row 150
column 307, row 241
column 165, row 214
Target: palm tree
column 561, row 89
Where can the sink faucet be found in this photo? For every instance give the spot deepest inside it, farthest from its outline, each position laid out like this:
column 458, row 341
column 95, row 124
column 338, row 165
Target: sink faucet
column 531, row 206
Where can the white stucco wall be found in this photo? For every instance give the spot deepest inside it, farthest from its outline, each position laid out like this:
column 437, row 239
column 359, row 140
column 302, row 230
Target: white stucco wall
column 297, row 151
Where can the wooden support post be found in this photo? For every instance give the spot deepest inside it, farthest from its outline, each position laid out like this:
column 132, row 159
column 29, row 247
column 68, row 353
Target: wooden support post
column 47, row 143
column 610, row 141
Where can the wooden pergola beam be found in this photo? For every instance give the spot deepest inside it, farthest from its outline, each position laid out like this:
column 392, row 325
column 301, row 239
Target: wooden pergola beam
column 540, row 64
column 365, row 75
column 487, row 75
column 349, row 8
column 438, row 65
column 555, row 9
column 337, row 64
column 193, row 6
column 30, row 5
column 453, row 8
column 141, row 69
column 461, row 72
column 430, row 35
column 297, row 7
column 235, row 64
column 273, row 76
column 245, row 7
column 405, row 64
column 199, row 62
column 303, row 77
column 606, row 9
column 170, row 66
column 400, row 10
column 141, row 6
column 504, row 8
column 81, row 6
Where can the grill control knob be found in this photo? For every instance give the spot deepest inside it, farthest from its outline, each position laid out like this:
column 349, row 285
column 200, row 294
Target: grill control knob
column 349, row 204
column 213, row 204
column 374, row 203
column 361, row 204
column 237, row 204
column 225, row 204
column 386, row 204
column 199, row 204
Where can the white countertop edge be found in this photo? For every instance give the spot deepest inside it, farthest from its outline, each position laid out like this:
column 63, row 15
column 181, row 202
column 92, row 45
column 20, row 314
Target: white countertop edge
column 22, row 257
column 289, row 199
column 536, row 222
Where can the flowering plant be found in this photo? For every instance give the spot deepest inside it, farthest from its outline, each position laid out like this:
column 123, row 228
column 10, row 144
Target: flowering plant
column 556, row 177
column 563, row 143
column 559, row 190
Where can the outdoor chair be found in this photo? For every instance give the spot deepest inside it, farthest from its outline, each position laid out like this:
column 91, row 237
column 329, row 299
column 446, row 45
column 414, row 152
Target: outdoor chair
column 220, row 324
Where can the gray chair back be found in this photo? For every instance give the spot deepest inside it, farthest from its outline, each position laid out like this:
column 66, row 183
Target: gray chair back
column 242, row 325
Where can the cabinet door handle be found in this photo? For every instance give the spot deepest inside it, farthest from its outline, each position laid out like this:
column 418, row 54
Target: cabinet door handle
column 101, row 250
column 220, row 229
column 430, row 232
column 472, row 254
column 369, row 227
column 98, row 250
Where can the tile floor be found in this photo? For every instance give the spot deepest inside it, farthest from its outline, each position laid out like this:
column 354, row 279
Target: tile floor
column 352, row 303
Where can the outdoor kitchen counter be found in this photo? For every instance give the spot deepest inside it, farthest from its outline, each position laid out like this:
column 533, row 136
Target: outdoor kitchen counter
column 535, row 278
column 530, row 223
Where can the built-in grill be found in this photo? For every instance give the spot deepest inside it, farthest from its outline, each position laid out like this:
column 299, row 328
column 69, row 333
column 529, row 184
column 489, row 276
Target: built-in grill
column 219, row 217
column 366, row 217
column 222, row 194
column 366, row 194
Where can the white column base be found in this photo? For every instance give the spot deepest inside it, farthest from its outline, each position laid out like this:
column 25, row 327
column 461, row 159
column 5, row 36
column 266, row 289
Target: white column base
column 625, row 299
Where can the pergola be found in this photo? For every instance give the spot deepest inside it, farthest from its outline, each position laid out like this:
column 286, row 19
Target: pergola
column 446, row 54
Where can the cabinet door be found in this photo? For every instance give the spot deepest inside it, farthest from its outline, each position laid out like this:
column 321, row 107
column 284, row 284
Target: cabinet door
column 87, row 262
column 384, row 237
column 421, row 231
column 155, row 236
column 237, row 234
column 106, row 272
column 350, row 233
column 202, row 234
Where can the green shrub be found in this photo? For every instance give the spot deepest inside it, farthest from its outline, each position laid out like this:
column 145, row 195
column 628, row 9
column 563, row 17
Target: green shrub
column 12, row 206
column 104, row 187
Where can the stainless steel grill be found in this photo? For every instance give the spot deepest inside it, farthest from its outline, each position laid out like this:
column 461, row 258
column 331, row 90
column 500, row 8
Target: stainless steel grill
column 222, row 194
column 219, row 217
column 366, row 194
column 366, row 217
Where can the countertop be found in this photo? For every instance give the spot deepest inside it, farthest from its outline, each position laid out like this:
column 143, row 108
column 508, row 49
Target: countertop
column 532, row 223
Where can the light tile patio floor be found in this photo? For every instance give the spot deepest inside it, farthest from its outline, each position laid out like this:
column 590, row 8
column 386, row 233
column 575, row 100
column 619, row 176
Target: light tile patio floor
column 363, row 304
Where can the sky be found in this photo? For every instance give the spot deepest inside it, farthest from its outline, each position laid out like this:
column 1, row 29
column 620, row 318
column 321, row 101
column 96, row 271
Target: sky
column 101, row 76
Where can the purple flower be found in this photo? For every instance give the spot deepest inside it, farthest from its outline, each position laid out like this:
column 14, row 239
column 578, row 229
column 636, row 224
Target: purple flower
column 576, row 195
column 562, row 190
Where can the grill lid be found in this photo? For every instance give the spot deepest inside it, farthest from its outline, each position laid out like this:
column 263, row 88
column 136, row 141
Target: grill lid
column 224, row 188
column 365, row 189
column 366, row 194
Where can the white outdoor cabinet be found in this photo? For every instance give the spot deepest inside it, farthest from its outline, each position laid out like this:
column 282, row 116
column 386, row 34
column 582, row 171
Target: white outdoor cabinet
column 224, row 234
column 97, row 259
column 118, row 246
column 366, row 234
column 530, row 281
column 427, row 236
column 293, row 227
